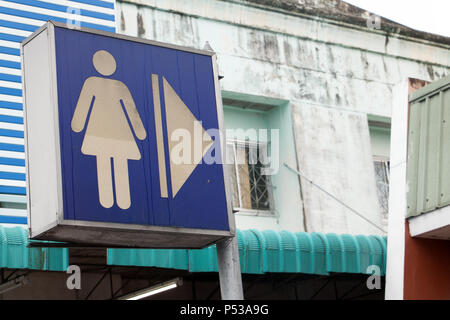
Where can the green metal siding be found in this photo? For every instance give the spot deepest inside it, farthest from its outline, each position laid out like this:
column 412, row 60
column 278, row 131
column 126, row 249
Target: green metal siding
column 14, row 253
column 428, row 173
column 271, row 251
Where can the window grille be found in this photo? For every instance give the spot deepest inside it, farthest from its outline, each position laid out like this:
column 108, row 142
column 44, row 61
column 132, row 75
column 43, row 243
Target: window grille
column 251, row 190
column 381, row 166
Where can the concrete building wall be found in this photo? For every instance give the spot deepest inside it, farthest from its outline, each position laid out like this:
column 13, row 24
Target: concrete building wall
column 286, row 208
column 332, row 73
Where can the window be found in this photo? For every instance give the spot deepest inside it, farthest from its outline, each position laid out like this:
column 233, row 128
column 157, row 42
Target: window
column 251, row 190
column 381, row 165
column 380, row 138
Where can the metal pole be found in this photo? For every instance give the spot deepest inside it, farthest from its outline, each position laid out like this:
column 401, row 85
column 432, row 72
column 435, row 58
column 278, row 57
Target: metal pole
column 229, row 269
column 227, row 250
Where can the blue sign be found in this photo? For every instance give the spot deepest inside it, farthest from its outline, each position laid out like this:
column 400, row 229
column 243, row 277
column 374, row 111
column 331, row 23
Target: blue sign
column 124, row 109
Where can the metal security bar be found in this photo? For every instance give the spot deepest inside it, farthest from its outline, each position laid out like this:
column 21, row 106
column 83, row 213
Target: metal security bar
column 251, row 190
column 381, row 166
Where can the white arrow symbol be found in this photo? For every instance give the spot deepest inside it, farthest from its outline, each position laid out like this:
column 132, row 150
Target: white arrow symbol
column 178, row 116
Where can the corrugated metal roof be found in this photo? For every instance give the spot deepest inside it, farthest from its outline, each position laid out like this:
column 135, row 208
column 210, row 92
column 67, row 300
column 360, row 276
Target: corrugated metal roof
column 14, row 253
column 271, row 251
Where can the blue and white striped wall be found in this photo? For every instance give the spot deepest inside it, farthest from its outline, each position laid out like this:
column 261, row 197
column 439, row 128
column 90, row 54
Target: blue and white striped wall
column 18, row 19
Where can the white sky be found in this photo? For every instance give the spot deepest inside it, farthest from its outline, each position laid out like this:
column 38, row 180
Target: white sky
column 425, row 15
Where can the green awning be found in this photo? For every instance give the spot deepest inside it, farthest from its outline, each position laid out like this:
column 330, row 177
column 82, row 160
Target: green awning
column 259, row 252
column 14, row 253
column 271, row 251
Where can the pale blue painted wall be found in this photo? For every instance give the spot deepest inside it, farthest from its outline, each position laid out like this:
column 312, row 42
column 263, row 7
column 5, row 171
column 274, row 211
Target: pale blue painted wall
column 288, row 212
column 380, row 139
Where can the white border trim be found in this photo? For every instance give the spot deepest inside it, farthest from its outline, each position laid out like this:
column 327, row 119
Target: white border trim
column 426, row 225
column 397, row 194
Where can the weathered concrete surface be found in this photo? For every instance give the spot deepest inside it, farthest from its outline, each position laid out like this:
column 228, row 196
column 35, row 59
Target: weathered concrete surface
column 287, row 66
column 342, row 11
column 334, row 150
column 241, row 15
column 333, row 74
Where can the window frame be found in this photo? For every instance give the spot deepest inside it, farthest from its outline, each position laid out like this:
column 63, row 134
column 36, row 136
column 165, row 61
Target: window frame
column 269, row 185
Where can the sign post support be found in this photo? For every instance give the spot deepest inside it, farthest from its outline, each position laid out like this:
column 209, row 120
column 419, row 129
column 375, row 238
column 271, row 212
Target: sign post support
column 229, row 269
column 97, row 155
column 230, row 277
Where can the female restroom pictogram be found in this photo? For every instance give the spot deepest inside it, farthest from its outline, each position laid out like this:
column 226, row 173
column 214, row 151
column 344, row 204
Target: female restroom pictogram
column 108, row 134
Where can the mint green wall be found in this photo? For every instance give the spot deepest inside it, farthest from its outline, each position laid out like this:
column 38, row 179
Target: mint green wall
column 380, row 139
column 239, row 118
column 287, row 195
column 288, row 213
